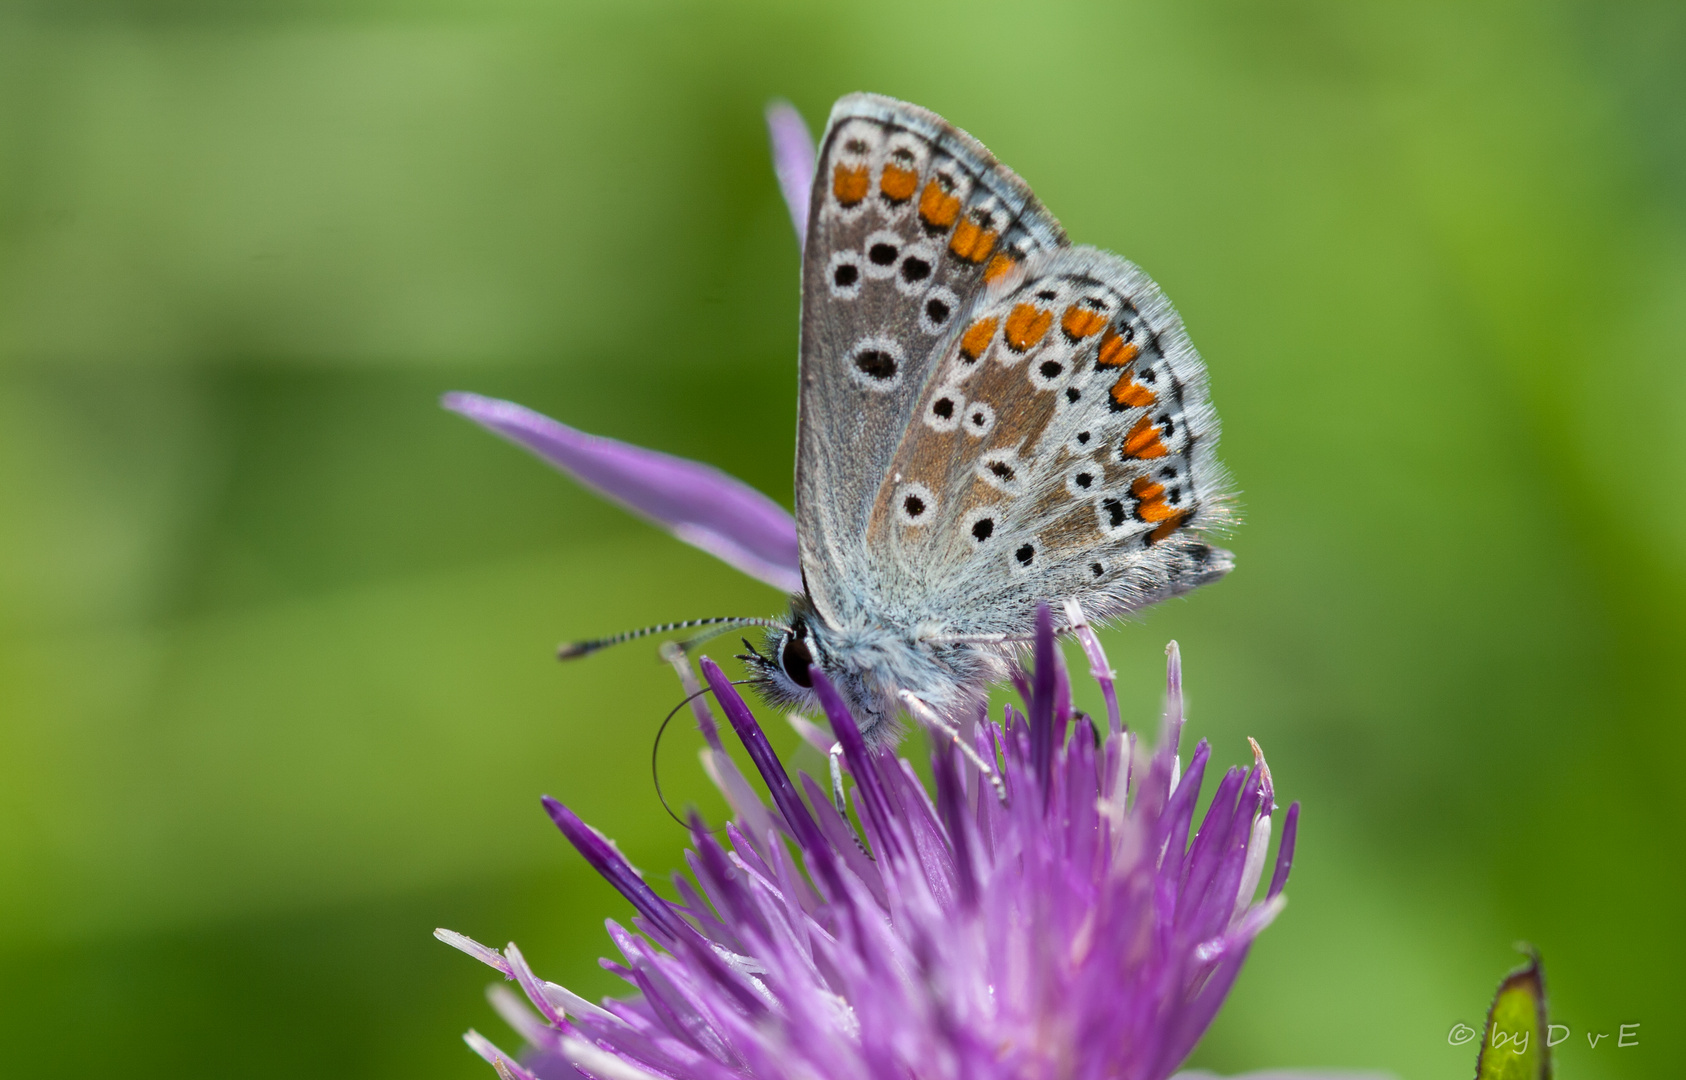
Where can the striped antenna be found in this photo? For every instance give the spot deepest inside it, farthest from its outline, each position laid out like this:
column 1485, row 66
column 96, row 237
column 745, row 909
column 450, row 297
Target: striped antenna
column 573, row 649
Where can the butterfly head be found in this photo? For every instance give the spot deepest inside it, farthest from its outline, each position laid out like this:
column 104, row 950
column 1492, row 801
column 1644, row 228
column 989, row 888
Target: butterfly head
column 781, row 667
column 861, row 667
column 869, row 665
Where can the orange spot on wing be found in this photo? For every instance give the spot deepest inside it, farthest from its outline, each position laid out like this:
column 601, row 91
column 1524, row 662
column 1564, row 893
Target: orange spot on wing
column 977, row 338
column 1026, row 325
column 1115, row 351
column 1131, row 394
column 971, row 241
column 1151, row 508
column 1080, row 322
column 937, row 208
column 998, row 268
column 1150, row 500
column 850, row 184
column 1166, row 527
column 1143, row 441
column 897, row 183
column 1145, row 487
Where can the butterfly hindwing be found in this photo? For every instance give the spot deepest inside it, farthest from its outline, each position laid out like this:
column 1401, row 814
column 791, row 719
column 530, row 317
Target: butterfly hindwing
column 910, row 221
column 990, row 420
column 1063, row 446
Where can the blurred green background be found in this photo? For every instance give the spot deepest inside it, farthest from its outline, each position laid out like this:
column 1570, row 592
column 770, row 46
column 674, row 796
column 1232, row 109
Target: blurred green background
column 275, row 688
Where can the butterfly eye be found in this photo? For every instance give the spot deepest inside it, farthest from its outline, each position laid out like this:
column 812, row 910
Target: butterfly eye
column 795, row 657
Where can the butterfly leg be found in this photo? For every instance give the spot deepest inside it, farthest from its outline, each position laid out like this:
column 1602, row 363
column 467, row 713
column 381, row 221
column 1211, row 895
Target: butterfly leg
column 842, row 804
column 837, row 799
column 1098, row 666
column 929, row 716
column 981, row 639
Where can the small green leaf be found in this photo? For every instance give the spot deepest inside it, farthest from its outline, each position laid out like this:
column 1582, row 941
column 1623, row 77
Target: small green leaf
column 1513, row 1046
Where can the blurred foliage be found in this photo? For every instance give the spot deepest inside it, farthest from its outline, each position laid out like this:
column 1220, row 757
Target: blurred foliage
column 275, row 697
column 1516, row 1042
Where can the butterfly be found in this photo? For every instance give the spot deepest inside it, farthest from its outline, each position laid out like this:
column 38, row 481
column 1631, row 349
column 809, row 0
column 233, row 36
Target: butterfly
column 990, row 419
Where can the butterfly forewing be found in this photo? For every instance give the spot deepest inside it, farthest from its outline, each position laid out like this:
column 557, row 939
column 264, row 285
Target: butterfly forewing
column 910, row 221
column 1062, row 447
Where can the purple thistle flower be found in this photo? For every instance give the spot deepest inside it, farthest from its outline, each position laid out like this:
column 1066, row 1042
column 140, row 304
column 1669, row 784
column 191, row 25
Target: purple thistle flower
column 1055, row 911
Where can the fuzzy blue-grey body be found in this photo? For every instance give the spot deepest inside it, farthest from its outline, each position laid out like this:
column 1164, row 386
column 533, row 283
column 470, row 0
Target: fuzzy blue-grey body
column 870, row 661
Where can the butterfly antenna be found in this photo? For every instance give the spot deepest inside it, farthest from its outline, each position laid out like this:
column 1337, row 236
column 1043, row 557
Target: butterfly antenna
column 656, row 746
column 574, row 649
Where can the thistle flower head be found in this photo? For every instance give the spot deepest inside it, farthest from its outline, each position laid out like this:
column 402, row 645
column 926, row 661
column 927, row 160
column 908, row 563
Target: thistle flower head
column 1053, row 909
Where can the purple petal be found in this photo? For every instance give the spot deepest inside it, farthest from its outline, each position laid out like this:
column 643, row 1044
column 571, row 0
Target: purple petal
column 1287, row 1074
column 1178, row 816
column 793, row 162
column 772, row 772
column 951, row 801
column 681, row 665
column 1173, row 734
column 697, row 503
column 493, row 1056
column 1041, row 703
column 843, row 839
column 1098, row 667
column 607, row 861
column 1285, row 850
column 486, row 955
column 531, row 986
column 874, row 804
